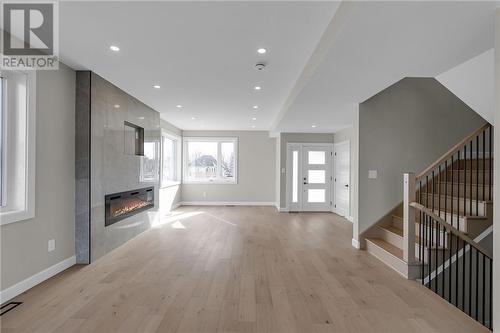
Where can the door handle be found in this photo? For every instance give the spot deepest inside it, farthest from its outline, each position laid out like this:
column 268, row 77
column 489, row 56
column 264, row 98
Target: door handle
column 305, row 183
column 346, row 185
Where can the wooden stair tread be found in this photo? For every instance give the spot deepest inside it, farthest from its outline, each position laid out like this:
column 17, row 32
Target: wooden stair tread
column 392, row 229
column 395, row 251
column 399, row 232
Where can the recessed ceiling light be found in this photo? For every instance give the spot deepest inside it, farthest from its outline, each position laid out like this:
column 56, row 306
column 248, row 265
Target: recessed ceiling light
column 257, row 87
column 313, row 126
column 156, row 86
column 255, row 106
column 117, row 106
column 254, row 118
column 193, row 118
column 261, row 51
column 141, row 118
column 179, row 106
column 114, row 48
column 253, row 126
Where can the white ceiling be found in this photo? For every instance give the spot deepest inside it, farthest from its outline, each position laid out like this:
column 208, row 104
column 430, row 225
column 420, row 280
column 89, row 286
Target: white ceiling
column 324, row 57
column 378, row 44
column 200, row 53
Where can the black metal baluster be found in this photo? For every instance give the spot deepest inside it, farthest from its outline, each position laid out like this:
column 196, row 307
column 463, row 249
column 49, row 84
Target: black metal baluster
column 484, row 289
column 420, row 241
column 490, row 176
column 470, row 178
column 477, row 175
column 452, row 188
column 456, row 271
column 484, row 165
column 458, row 196
column 477, row 285
column 429, row 249
column 463, row 275
column 470, row 281
column 491, row 289
column 465, row 181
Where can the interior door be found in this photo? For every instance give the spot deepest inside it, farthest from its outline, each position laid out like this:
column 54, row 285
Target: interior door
column 316, row 177
column 342, row 179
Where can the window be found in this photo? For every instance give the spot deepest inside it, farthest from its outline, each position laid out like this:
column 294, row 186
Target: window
column 170, row 161
column 17, row 145
column 210, row 160
column 150, row 161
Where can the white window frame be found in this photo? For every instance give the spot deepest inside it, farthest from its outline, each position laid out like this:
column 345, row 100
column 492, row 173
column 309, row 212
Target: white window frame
column 219, row 140
column 177, row 159
column 18, row 192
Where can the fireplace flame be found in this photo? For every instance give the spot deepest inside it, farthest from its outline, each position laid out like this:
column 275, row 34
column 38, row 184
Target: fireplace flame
column 128, row 206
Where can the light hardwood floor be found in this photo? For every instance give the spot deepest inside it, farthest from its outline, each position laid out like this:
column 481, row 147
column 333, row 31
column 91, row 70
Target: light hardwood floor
column 236, row 269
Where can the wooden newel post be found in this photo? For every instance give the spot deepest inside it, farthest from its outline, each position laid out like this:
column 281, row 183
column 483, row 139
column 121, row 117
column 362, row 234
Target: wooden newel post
column 409, row 218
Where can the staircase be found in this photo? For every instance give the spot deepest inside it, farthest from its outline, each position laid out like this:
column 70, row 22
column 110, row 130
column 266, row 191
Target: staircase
column 438, row 234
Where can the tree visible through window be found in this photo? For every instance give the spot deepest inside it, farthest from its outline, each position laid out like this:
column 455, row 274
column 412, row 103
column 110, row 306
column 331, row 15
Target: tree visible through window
column 210, row 160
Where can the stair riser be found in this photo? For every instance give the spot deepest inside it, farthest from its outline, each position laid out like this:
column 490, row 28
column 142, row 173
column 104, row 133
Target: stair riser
column 474, row 164
column 478, row 208
column 393, row 262
column 391, row 238
column 398, row 223
column 474, row 192
column 458, row 176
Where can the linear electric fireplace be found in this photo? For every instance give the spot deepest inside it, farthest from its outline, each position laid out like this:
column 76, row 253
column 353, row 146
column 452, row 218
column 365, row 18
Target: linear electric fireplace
column 124, row 204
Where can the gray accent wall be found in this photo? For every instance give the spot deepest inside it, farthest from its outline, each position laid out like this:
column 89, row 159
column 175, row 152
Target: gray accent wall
column 402, row 129
column 296, row 138
column 24, row 243
column 111, row 169
column 256, row 171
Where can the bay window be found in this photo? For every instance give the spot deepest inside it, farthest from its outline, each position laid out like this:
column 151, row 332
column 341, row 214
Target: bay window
column 17, row 145
column 170, row 161
column 210, row 160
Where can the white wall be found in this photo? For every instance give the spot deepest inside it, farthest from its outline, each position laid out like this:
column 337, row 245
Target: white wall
column 24, row 244
column 256, row 171
column 474, row 83
column 496, row 182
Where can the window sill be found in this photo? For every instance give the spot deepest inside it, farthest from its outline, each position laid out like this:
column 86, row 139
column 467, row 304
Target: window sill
column 191, row 182
column 170, row 184
column 12, row 216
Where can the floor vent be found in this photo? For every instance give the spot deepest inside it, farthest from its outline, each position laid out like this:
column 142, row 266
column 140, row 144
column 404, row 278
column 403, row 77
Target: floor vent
column 9, row 306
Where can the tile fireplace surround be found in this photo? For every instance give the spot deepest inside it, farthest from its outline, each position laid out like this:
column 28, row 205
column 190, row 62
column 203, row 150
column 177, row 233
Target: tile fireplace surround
column 103, row 165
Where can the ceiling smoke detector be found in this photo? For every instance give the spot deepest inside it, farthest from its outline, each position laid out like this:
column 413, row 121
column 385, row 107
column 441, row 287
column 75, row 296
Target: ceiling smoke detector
column 260, row 66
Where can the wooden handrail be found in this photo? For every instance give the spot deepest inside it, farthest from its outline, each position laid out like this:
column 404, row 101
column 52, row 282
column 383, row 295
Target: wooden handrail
column 451, row 229
column 453, row 150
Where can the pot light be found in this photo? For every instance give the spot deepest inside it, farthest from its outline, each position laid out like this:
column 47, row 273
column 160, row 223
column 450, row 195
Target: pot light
column 156, row 86
column 141, row 118
column 313, row 126
column 261, row 51
column 253, row 126
column 114, row 48
column 257, row 87
column 193, row 118
column 254, row 118
column 117, row 106
column 179, row 106
column 256, row 107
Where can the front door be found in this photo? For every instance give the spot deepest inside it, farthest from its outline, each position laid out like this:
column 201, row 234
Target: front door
column 309, row 184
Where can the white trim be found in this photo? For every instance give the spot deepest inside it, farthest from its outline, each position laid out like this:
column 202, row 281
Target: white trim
column 283, row 210
column 10, row 214
column 226, row 203
column 355, row 244
column 21, row 287
column 177, row 158
column 350, row 219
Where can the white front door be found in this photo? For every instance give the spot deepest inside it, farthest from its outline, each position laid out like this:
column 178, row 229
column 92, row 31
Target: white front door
column 342, row 177
column 309, row 185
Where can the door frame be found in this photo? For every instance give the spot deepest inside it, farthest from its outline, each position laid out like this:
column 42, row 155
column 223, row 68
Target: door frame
column 288, row 173
column 334, row 195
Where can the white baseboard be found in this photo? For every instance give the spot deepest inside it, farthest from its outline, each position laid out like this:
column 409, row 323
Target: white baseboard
column 21, row 287
column 226, row 203
column 350, row 219
column 355, row 244
column 282, row 209
column 176, row 205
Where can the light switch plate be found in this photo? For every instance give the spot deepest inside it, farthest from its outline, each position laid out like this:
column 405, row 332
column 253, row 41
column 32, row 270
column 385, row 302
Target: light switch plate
column 51, row 245
column 372, row 174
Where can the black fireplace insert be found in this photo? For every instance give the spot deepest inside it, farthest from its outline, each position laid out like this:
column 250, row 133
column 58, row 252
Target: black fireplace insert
column 124, row 204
